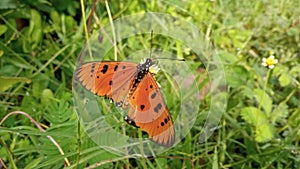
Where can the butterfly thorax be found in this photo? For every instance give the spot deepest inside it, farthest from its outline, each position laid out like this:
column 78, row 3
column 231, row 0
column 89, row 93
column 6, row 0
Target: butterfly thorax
column 142, row 70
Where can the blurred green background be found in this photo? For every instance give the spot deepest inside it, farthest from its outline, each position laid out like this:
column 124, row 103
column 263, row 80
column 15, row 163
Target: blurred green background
column 41, row 40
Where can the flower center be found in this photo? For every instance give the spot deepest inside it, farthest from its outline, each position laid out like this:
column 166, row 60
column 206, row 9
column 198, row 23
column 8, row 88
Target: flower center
column 270, row 62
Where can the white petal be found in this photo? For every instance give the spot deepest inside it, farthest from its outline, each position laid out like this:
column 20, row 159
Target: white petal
column 275, row 61
column 271, row 66
column 264, row 64
column 272, row 57
column 264, row 59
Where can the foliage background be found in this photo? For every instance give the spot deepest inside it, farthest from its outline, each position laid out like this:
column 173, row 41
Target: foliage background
column 39, row 45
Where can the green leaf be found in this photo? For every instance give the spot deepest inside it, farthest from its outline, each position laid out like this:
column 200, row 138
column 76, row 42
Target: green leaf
column 247, row 91
column 33, row 33
column 1, row 53
column 34, row 163
column 39, row 83
column 55, row 17
column 7, row 82
column 227, row 57
column 3, row 29
column 69, row 23
column 11, row 160
column 236, row 76
column 253, row 115
column 25, row 41
column 215, row 159
column 263, row 132
column 47, row 95
column 59, row 113
column 35, row 28
column 280, row 112
column 284, row 80
column 264, row 100
column 294, row 118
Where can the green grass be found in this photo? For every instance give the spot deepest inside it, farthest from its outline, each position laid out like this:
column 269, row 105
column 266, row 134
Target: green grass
column 39, row 48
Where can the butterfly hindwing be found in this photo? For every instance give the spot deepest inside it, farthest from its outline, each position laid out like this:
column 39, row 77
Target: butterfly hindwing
column 150, row 113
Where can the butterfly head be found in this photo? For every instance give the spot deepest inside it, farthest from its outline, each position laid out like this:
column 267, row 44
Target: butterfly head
column 150, row 65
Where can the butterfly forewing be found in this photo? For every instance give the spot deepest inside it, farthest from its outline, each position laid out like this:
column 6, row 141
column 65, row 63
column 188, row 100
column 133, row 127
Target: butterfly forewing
column 109, row 79
column 149, row 112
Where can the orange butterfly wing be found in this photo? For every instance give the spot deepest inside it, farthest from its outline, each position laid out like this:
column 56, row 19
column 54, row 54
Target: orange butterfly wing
column 115, row 80
column 110, row 79
column 150, row 113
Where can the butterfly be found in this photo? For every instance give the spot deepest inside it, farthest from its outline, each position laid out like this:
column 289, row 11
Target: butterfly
column 132, row 86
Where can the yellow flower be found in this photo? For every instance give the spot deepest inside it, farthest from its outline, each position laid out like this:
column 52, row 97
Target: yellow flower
column 269, row 62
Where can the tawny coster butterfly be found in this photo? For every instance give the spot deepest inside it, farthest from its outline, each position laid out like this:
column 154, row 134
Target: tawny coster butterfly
column 131, row 85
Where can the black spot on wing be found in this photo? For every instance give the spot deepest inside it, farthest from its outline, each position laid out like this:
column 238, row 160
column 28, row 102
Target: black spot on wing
column 104, row 69
column 153, row 95
column 93, row 68
column 116, row 68
column 110, row 82
column 157, row 108
column 142, row 107
column 166, row 120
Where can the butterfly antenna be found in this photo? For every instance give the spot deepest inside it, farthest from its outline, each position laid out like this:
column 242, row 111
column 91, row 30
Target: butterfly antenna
column 177, row 59
column 151, row 37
